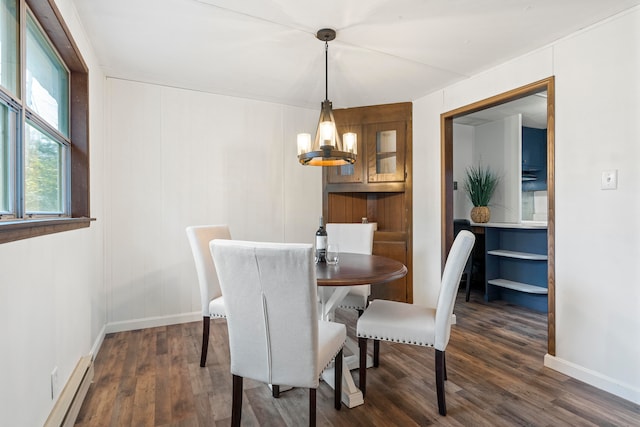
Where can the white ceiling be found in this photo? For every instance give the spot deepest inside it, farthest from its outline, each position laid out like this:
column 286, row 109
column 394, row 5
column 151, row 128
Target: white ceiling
column 533, row 109
column 385, row 50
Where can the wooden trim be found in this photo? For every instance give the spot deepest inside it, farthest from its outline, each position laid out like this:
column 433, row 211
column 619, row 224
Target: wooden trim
column 446, row 150
column 446, row 171
column 25, row 229
column 551, row 220
column 50, row 19
column 80, row 190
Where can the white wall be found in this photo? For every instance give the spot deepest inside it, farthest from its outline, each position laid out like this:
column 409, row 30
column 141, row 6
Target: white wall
column 497, row 146
column 145, row 188
column 597, row 232
column 52, row 291
column 463, row 137
column 177, row 158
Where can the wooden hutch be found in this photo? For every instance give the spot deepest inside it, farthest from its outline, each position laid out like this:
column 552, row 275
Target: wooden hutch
column 378, row 186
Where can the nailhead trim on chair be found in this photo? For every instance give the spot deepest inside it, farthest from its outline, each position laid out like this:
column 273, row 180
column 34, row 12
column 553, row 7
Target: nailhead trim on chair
column 352, row 307
column 395, row 340
column 332, row 357
column 217, row 316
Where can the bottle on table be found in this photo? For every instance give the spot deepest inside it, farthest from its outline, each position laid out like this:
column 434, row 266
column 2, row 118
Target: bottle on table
column 321, row 243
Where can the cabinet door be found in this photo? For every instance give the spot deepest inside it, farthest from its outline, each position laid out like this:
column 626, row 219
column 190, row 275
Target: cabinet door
column 385, row 144
column 349, row 173
column 398, row 290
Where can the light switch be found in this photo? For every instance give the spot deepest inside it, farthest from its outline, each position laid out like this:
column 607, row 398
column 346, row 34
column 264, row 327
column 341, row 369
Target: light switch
column 610, row 180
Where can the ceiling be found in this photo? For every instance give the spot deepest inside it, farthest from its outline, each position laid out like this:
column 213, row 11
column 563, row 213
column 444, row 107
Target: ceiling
column 533, row 109
column 385, row 50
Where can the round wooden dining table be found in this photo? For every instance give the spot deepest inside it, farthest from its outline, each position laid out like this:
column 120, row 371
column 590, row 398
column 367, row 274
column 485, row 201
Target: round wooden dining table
column 334, row 282
column 359, row 269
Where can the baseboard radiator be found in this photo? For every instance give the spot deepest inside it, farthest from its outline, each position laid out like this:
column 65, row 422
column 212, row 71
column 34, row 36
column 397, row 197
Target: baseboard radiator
column 66, row 409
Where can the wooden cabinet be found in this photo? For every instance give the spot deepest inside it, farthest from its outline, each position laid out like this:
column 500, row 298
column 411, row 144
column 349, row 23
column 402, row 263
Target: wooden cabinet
column 385, row 144
column 348, row 173
column 516, row 266
column 377, row 186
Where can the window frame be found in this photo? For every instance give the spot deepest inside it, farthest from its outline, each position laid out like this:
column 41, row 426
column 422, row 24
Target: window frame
column 50, row 20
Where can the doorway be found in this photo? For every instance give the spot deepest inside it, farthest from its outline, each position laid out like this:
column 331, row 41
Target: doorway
column 446, row 134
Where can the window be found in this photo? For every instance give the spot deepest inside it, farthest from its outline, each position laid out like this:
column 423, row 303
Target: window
column 44, row 170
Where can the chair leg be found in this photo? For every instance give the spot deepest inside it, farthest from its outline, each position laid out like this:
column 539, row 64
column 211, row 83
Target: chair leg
column 444, row 365
column 442, row 407
column 206, row 322
column 360, row 312
column 275, row 390
column 312, row 407
column 337, row 381
column 362, row 368
column 236, row 404
column 376, row 353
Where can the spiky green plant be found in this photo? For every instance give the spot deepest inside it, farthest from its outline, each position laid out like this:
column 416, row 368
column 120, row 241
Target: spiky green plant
column 480, row 183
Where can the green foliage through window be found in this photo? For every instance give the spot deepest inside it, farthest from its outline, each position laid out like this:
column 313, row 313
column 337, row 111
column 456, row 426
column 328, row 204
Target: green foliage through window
column 44, row 182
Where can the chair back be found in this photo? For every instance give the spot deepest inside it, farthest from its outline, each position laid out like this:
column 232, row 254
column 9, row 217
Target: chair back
column 199, row 238
column 451, row 276
column 355, row 238
column 270, row 298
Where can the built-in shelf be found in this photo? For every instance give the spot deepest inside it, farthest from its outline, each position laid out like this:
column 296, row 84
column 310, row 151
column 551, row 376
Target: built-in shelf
column 516, row 265
column 518, row 255
column 518, row 286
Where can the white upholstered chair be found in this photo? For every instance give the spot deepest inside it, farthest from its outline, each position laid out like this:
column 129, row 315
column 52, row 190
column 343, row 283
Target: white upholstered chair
column 355, row 238
column 275, row 336
column 210, row 293
column 414, row 324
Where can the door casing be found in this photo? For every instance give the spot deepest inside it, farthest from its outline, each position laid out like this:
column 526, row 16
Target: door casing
column 446, row 155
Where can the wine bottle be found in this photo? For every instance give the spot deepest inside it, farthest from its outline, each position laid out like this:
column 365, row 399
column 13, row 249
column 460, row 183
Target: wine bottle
column 321, row 243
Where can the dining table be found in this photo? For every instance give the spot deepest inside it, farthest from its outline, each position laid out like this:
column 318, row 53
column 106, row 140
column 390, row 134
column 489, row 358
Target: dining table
column 334, row 282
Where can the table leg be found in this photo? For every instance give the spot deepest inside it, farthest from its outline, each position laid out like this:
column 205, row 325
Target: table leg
column 330, row 297
column 351, row 395
column 352, row 361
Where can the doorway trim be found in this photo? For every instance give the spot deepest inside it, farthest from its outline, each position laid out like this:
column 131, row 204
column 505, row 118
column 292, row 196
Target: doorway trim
column 446, row 160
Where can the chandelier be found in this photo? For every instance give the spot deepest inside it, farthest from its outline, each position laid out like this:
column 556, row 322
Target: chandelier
column 328, row 148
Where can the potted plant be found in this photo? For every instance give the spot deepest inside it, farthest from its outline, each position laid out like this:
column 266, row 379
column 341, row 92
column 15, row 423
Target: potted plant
column 480, row 183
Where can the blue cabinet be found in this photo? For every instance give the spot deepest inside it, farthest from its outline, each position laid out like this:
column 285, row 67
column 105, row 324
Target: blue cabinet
column 534, row 159
column 516, row 265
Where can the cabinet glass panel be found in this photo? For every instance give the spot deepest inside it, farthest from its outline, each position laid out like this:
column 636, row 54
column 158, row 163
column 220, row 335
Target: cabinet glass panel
column 386, row 145
column 386, row 151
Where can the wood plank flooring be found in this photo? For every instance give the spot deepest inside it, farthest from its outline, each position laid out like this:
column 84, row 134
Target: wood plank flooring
column 152, row 377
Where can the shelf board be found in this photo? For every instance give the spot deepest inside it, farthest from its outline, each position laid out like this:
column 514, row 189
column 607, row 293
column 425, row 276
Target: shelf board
column 518, row 255
column 518, row 286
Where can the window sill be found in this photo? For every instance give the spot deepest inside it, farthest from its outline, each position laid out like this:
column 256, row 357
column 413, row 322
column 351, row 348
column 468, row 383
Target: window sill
column 10, row 231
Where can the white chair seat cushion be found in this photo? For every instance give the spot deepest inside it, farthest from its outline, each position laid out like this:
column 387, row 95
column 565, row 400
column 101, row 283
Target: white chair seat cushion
column 398, row 322
column 331, row 338
column 216, row 307
column 356, row 298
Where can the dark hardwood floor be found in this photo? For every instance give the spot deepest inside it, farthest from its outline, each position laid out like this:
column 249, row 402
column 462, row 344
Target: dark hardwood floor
column 152, row 377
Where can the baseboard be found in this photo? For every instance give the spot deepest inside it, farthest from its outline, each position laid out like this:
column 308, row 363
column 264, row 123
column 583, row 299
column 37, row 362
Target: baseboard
column 596, row 379
column 66, row 409
column 98, row 342
column 152, row 322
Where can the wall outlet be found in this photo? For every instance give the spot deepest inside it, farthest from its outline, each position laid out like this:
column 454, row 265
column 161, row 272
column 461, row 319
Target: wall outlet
column 55, row 385
column 610, row 180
